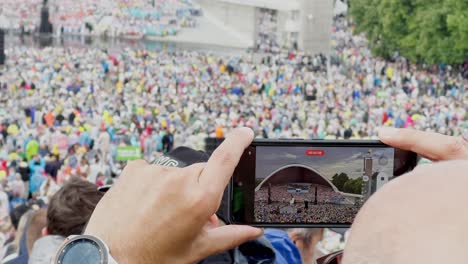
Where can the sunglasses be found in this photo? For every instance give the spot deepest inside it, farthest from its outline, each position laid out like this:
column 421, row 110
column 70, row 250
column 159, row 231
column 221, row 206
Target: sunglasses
column 104, row 188
column 332, row 258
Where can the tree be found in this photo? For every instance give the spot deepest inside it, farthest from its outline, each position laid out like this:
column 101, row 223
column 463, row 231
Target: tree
column 345, row 184
column 353, row 186
column 429, row 31
column 339, row 180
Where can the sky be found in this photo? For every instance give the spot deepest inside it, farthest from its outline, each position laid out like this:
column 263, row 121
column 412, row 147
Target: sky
column 335, row 160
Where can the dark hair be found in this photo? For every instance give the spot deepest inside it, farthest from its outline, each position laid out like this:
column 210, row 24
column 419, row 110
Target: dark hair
column 71, row 207
column 17, row 213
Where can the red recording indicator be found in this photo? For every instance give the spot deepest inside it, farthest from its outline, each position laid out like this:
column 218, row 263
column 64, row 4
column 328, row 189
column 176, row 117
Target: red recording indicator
column 315, row 152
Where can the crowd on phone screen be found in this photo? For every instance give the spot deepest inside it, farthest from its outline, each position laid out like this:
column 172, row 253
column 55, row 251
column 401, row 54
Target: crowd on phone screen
column 282, row 206
column 314, row 214
column 119, row 18
column 64, row 111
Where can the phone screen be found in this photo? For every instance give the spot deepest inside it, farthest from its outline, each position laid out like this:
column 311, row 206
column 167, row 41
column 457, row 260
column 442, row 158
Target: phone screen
column 311, row 184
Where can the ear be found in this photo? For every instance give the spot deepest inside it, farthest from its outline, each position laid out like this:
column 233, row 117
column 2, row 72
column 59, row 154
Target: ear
column 45, row 231
column 294, row 237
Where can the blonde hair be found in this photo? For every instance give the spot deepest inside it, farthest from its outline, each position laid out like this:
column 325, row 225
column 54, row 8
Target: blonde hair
column 307, row 235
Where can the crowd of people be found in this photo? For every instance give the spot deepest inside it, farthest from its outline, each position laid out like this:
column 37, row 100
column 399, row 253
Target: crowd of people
column 285, row 192
column 65, row 111
column 42, row 227
column 314, row 214
column 133, row 19
column 281, row 204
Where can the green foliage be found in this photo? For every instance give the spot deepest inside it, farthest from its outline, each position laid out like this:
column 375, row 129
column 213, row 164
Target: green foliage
column 353, row 186
column 345, row 184
column 339, row 180
column 429, row 31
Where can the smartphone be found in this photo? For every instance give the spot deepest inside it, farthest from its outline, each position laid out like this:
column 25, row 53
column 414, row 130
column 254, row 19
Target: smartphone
column 311, row 183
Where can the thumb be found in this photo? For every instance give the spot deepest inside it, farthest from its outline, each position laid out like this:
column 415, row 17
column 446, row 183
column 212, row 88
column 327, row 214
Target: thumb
column 230, row 236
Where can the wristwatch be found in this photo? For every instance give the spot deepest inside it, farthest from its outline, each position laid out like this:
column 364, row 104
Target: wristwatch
column 84, row 249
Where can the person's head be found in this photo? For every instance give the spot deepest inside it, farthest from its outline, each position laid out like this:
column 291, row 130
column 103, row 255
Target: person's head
column 71, row 207
column 36, row 225
column 100, row 176
column 84, row 161
column 416, row 218
column 306, row 240
column 16, row 214
column 22, row 227
column 17, row 187
column 54, row 157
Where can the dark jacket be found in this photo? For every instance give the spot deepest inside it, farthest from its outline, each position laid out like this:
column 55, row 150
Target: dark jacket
column 53, row 167
column 258, row 251
column 25, row 172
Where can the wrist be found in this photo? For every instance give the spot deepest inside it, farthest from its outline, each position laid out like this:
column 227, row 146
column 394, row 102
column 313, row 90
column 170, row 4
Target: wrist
column 119, row 255
column 128, row 251
column 84, row 248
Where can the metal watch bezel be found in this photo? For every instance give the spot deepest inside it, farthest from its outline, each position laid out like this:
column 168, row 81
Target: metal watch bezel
column 103, row 249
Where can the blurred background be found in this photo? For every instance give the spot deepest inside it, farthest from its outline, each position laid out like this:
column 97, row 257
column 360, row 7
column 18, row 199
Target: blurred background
column 87, row 85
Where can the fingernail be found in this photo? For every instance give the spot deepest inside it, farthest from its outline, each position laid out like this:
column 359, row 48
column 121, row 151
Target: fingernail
column 260, row 231
column 388, row 132
column 247, row 130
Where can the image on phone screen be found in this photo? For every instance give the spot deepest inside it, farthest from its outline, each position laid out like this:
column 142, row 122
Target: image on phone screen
column 310, row 185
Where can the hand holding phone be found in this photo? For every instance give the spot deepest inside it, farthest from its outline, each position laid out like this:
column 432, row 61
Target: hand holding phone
column 311, row 183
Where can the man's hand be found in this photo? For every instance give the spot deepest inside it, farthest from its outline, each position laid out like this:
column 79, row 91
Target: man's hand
column 159, row 215
column 434, row 146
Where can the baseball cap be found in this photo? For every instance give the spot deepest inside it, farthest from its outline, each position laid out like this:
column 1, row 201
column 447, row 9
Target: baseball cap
column 181, row 157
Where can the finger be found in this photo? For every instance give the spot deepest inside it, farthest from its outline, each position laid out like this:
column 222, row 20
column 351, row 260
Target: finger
column 227, row 237
column 431, row 145
column 224, row 160
column 137, row 163
column 129, row 170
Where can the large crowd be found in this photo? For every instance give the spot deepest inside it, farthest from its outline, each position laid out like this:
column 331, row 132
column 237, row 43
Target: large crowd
column 281, row 204
column 314, row 214
column 134, row 19
column 64, row 111
column 284, row 193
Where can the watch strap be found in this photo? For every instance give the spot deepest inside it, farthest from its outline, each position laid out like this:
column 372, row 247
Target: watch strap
column 111, row 260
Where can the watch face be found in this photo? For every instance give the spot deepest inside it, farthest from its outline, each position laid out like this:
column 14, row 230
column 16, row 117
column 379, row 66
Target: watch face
column 85, row 251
